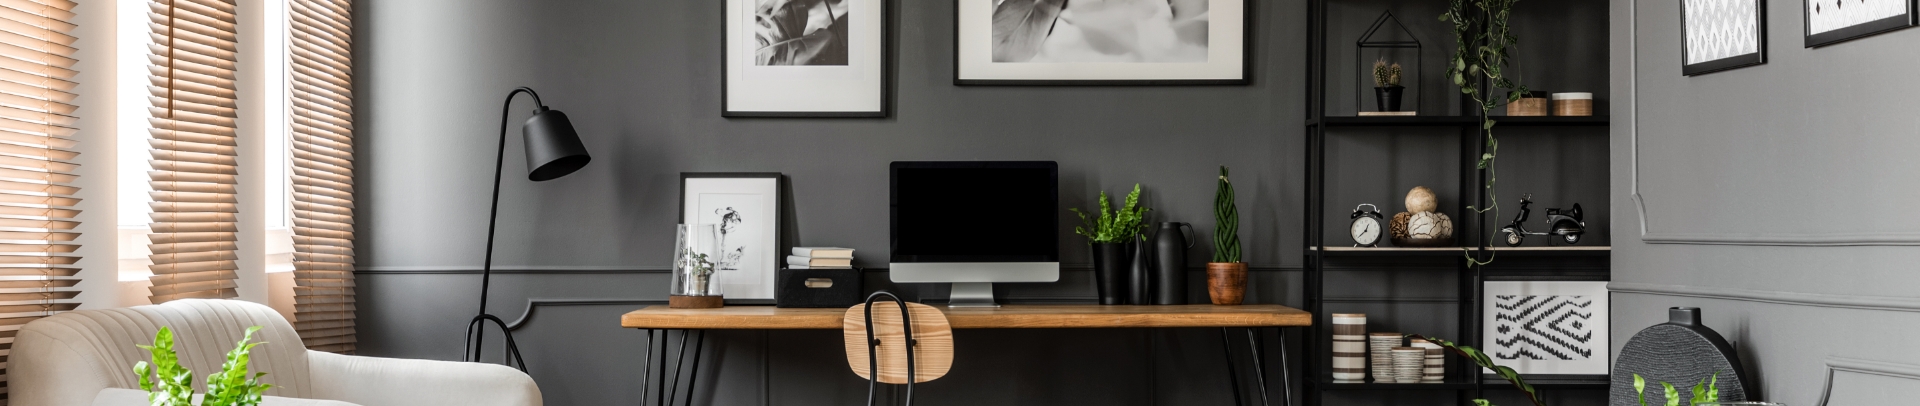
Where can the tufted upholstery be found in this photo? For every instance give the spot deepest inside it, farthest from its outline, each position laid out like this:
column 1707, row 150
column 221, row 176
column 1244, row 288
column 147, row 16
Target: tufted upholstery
column 67, row 359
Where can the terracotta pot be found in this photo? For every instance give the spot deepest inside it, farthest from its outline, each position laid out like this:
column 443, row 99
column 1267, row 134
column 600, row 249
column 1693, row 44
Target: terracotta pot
column 1227, row 282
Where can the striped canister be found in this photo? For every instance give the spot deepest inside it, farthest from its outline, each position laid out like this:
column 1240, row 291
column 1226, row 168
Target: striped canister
column 1436, row 361
column 1380, row 349
column 1349, row 346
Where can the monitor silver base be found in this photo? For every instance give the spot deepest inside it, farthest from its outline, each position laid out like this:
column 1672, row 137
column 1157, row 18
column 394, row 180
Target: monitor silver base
column 971, row 294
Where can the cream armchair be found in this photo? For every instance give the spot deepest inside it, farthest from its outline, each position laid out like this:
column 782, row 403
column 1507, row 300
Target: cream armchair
column 86, row 357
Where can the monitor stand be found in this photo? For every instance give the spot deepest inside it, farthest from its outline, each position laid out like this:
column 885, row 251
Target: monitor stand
column 971, row 294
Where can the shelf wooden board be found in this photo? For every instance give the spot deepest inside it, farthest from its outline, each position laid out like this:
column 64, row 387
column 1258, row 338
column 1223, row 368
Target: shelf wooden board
column 1461, row 384
column 1570, row 251
column 1008, row 316
column 1460, row 121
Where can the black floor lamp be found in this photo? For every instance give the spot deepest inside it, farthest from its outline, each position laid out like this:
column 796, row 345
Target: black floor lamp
column 553, row 151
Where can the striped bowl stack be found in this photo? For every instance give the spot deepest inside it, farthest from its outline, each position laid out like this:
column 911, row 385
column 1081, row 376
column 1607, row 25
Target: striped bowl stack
column 1349, row 346
column 1407, row 364
column 1436, row 361
column 1381, row 346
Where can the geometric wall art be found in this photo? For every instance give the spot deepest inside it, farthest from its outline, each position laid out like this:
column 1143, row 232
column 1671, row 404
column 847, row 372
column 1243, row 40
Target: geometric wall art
column 1719, row 35
column 1830, row 22
column 1547, row 328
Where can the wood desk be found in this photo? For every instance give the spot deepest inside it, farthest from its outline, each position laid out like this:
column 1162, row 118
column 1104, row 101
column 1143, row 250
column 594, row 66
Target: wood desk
column 661, row 319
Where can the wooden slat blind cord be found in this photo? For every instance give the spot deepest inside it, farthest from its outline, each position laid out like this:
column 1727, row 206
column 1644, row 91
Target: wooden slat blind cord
column 195, row 205
column 321, row 116
column 37, row 148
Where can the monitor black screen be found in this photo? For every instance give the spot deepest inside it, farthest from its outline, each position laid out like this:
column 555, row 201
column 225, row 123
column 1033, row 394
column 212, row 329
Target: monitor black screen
column 975, row 212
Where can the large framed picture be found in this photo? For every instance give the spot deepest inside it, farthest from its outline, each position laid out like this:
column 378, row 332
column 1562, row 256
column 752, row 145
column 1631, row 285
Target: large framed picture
column 805, row 58
column 1834, row 21
column 1547, row 328
column 1100, row 42
column 745, row 208
column 1721, row 35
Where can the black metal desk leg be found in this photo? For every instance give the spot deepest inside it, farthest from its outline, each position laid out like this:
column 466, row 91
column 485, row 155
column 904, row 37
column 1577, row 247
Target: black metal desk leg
column 1259, row 364
column 693, row 375
column 1227, row 345
column 673, row 391
column 661, row 388
column 1286, row 380
column 646, row 367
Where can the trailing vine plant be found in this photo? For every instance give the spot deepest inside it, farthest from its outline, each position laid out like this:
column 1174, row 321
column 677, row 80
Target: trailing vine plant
column 1484, row 48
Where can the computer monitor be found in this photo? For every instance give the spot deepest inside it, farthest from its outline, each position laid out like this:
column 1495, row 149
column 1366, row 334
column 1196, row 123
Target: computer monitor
column 973, row 224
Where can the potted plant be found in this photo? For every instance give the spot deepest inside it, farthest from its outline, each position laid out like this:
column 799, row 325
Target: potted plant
column 231, row 386
column 1483, row 54
column 1386, row 86
column 1110, row 233
column 1226, row 275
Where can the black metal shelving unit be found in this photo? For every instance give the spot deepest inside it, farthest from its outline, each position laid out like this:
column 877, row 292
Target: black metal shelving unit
column 1471, row 231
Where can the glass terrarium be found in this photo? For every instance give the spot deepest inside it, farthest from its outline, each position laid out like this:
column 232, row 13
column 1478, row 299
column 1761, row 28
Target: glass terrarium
column 693, row 265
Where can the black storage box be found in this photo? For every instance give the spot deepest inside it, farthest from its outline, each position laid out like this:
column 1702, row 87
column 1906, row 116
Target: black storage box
column 819, row 288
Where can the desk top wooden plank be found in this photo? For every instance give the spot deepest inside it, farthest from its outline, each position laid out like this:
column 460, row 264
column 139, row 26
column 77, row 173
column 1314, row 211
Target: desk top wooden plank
column 1009, row 316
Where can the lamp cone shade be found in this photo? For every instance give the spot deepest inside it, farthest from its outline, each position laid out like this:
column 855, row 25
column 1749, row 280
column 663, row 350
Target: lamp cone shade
column 553, row 149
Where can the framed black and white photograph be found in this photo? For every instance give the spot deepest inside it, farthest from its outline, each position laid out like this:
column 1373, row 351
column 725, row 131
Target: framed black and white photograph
column 805, row 58
column 1547, row 328
column 745, row 209
column 1834, row 21
column 1100, row 42
column 1721, row 35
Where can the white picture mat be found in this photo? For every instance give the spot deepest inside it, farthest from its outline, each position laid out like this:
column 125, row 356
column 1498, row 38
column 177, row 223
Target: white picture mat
column 1856, row 12
column 755, row 277
column 1226, row 52
column 1597, row 364
column 855, row 87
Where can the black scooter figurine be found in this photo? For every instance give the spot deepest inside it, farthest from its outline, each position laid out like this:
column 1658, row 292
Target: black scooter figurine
column 1566, row 224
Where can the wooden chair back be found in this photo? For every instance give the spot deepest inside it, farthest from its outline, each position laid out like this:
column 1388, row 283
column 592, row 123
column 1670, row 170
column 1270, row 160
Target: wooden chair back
column 933, row 347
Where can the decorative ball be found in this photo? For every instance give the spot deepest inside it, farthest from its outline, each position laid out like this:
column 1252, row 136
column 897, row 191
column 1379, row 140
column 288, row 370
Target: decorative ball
column 1429, row 225
column 1421, row 199
column 1398, row 227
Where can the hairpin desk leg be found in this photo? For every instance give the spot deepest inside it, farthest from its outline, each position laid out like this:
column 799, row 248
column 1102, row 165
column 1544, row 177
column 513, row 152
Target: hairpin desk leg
column 660, row 388
column 1232, row 378
column 1259, row 364
column 1286, row 381
column 646, row 367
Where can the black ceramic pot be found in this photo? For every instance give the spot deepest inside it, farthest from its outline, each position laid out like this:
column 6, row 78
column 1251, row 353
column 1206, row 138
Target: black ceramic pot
column 1170, row 263
column 1388, row 98
column 1111, row 266
column 1140, row 274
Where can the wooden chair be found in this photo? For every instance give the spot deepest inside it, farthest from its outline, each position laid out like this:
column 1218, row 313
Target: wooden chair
column 907, row 344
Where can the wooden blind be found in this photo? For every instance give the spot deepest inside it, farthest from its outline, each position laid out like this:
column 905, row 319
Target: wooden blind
column 191, row 87
column 320, row 64
column 37, row 275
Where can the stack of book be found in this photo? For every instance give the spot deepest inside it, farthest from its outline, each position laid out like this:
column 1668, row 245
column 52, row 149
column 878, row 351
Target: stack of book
column 820, row 258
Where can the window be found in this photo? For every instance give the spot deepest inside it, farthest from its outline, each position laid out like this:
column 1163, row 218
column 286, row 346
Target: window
column 37, row 126
column 321, row 119
column 193, row 142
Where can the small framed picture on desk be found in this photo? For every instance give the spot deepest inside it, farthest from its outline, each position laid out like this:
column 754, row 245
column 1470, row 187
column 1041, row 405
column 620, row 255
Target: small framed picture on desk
column 745, row 208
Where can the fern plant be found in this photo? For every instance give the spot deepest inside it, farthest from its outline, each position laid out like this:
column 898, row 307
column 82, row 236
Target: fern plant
column 1113, row 226
column 169, row 384
column 1226, row 220
column 1484, row 47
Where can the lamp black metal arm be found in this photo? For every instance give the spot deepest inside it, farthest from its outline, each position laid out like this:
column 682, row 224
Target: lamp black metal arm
column 553, row 150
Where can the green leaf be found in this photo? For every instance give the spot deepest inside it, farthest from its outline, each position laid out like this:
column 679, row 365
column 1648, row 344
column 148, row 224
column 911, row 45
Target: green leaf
column 1699, row 393
column 1673, row 395
column 1640, row 387
column 1488, row 125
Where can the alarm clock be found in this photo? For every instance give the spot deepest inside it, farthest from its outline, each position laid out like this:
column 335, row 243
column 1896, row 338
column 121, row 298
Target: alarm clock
column 1366, row 228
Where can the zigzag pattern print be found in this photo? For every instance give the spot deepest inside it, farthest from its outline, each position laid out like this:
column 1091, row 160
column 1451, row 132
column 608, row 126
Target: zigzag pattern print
column 1542, row 328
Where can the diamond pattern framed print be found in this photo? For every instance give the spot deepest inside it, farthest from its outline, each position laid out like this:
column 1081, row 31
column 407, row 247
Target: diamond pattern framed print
column 1547, row 328
column 1722, row 34
column 1834, row 21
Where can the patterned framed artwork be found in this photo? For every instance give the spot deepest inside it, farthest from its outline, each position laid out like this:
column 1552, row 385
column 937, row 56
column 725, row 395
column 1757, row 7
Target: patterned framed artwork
column 1547, row 328
column 1834, row 21
column 1720, row 35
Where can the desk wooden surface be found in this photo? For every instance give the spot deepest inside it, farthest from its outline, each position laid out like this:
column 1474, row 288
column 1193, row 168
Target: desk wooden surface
column 1007, row 316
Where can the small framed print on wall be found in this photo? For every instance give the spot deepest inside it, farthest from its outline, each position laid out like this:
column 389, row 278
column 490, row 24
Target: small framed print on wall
column 1719, row 35
column 1111, row 42
column 745, row 210
column 805, row 58
column 1834, row 21
column 1547, row 328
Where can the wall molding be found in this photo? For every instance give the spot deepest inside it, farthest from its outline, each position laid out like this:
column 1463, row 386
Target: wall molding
column 1859, row 366
column 615, row 270
column 1886, row 303
column 526, row 315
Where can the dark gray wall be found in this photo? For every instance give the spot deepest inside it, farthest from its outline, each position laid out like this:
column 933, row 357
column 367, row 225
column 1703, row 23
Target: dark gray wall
column 1773, row 197
column 641, row 81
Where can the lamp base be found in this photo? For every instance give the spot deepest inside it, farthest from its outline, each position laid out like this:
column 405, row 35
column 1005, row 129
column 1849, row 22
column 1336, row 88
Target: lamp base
column 695, row 302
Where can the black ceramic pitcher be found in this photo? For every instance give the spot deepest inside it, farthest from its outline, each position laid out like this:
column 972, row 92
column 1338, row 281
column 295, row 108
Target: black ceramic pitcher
column 1170, row 246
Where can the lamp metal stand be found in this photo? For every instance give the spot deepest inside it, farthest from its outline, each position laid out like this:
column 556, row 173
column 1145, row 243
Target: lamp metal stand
column 476, row 329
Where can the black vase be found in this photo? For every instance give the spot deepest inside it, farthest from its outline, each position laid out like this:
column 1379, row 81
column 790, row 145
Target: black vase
column 1140, row 274
column 1170, row 247
column 1110, row 268
column 1388, row 98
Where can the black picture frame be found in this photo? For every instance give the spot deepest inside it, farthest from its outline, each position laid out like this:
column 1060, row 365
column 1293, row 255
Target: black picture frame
column 1758, row 57
column 1246, row 63
column 779, row 230
column 888, row 71
column 1857, row 31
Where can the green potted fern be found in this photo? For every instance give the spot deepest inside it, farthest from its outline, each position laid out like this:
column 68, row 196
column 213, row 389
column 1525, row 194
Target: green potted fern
column 1226, row 275
column 1111, row 233
column 230, row 386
